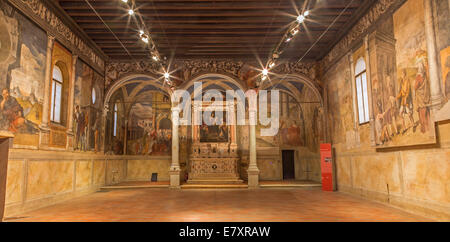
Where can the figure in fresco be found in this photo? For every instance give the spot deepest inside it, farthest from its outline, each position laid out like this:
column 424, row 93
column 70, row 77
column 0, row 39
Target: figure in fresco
column 215, row 132
column 405, row 97
column 422, row 98
column 96, row 135
column 391, row 114
column 294, row 135
column 118, row 146
column 290, row 133
column 381, row 125
column 81, row 123
column 223, row 132
column 11, row 111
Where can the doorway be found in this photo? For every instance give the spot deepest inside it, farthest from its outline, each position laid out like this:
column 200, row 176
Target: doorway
column 288, row 165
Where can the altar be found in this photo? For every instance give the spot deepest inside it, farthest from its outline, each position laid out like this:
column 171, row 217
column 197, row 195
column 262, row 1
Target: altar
column 213, row 158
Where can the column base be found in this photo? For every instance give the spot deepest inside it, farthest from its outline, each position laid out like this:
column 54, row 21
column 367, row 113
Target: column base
column 253, row 178
column 174, row 178
column 44, row 137
column 70, row 141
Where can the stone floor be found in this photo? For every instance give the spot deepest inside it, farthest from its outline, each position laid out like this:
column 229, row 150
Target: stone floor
column 261, row 205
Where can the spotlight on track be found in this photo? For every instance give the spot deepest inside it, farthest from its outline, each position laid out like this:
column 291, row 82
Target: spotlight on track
column 145, row 38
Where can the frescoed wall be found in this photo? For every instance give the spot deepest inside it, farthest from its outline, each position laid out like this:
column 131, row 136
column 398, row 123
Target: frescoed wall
column 38, row 175
column 300, row 115
column 149, row 130
column 442, row 28
column 375, row 161
column 88, row 104
column 22, row 57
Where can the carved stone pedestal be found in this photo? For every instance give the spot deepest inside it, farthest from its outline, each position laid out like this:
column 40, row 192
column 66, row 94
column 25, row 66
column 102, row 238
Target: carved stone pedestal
column 214, row 171
column 253, row 179
column 214, row 163
column 174, row 178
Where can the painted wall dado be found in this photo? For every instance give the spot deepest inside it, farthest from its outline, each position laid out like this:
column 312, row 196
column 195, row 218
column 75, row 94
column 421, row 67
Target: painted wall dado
column 374, row 160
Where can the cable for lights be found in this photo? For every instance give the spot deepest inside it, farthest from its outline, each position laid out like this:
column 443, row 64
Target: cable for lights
column 110, row 30
column 318, row 39
column 328, row 28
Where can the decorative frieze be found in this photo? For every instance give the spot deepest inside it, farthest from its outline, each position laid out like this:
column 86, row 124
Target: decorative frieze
column 117, row 70
column 303, row 68
column 43, row 16
column 186, row 70
column 356, row 33
column 192, row 68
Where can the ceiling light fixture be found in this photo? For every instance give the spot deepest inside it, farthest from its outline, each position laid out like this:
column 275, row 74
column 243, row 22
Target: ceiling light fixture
column 300, row 18
column 144, row 38
column 125, row 1
column 306, row 13
column 271, row 64
column 131, row 12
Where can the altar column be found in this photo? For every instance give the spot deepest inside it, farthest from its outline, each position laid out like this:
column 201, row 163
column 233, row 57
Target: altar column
column 174, row 171
column 253, row 171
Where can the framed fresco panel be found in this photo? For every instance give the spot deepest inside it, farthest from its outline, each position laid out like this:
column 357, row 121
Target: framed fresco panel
column 401, row 91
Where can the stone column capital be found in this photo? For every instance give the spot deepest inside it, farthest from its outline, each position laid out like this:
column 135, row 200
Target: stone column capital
column 74, row 59
column 51, row 38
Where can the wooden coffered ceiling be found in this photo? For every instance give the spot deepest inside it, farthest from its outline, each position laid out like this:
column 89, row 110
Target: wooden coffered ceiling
column 187, row 29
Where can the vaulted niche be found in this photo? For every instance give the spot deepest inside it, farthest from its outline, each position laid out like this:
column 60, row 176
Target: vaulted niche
column 139, row 120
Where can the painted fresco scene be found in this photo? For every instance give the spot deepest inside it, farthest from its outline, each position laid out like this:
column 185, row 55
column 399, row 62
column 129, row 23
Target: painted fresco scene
column 22, row 75
column 87, row 112
column 401, row 94
column 149, row 130
column 217, row 131
column 298, row 124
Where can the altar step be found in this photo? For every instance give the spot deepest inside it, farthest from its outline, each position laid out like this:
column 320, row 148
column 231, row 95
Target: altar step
column 214, row 186
column 216, row 181
column 292, row 184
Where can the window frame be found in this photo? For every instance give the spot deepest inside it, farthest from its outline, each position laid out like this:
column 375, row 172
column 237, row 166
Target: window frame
column 115, row 119
column 364, row 94
column 53, row 104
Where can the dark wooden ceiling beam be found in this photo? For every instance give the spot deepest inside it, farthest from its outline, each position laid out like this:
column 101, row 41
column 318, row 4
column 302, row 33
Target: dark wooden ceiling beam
column 192, row 13
column 224, row 6
column 249, row 20
column 205, row 28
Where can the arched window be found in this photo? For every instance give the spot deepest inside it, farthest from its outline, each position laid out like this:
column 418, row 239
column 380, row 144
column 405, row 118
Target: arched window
column 57, row 86
column 361, row 91
column 115, row 120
